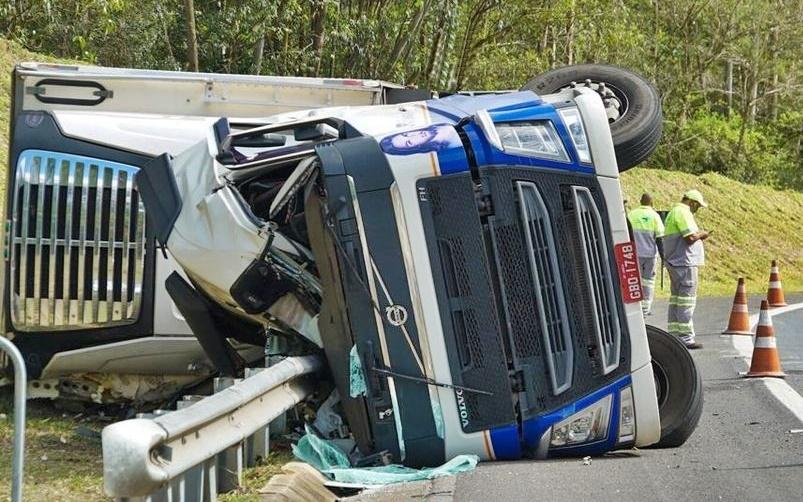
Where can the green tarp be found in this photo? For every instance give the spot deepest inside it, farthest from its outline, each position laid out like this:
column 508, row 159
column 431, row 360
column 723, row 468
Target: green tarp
column 332, row 462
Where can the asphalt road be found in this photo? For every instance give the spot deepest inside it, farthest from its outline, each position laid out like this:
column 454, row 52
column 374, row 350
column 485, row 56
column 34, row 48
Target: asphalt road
column 742, row 450
column 789, row 337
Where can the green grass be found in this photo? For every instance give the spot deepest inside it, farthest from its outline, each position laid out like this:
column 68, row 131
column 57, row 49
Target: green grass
column 752, row 225
column 257, row 477
column 63, row 454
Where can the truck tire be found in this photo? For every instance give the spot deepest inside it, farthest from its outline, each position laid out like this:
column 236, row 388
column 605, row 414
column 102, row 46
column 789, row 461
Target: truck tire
column 634, row 106
column 678, row 385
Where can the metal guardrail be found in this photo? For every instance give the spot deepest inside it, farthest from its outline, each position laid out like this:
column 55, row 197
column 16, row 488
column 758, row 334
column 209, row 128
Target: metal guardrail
column 199, row 450
column 20, row 386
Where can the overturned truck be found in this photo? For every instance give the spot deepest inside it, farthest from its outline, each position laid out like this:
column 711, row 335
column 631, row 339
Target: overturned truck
column 463, row 263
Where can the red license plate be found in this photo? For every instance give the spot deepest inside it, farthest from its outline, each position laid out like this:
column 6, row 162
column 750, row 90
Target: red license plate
column 629, row 278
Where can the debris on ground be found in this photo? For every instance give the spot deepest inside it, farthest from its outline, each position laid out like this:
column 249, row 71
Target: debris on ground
column 586, row 460
column 332, row 462
column 300, row 482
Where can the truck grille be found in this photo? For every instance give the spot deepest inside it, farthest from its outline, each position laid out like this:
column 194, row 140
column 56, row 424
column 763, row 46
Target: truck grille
column 600, row 282
column 542, row 254
column 471, row 329
column 77, row 240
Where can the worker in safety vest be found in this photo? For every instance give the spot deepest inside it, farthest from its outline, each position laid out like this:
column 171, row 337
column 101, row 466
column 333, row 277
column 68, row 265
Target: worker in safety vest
column 683, row 254
column 648, row 229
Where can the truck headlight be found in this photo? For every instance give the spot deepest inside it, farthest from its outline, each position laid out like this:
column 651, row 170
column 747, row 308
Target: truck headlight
column 627, row 416
column 587, row 425
column 536, row 138
column 527, row 138
column 574, row 123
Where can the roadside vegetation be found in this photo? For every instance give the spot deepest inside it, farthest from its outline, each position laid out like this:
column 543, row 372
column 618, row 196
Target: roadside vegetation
column 752, row 224
column 63, row 459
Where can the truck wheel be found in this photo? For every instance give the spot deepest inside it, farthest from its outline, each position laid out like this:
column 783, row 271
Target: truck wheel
column 632, row 103
column 678, row 385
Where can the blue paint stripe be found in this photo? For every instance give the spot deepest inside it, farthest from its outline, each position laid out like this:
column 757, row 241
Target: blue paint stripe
column 452, row 160
column 505, row 442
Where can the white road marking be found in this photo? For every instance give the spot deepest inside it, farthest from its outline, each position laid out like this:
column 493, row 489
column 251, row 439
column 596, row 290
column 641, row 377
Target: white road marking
column 782, row 391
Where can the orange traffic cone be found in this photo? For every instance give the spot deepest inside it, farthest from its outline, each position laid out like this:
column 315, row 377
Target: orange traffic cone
column 775, row 290
column 765, row 361
column 739, row 322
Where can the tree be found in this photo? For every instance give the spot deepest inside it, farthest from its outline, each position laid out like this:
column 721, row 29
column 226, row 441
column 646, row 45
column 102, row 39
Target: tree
column 192, row 37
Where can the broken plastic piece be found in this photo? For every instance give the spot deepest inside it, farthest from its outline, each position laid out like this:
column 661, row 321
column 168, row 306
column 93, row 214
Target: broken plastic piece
column 356, row 376
column 333, row 463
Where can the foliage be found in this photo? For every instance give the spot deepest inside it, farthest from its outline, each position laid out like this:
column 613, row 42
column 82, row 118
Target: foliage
column 712, row 142
column 750, row 119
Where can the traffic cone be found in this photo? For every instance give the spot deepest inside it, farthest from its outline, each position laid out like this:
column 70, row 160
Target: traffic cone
column 765, row 361
column 739, row 322
column 775, row 290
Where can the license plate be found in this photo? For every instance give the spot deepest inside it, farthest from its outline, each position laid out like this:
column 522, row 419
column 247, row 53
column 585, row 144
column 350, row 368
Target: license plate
column 629, row 278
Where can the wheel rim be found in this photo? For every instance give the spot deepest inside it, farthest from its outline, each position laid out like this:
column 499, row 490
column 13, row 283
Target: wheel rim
column 661, row 383
column 615, row 101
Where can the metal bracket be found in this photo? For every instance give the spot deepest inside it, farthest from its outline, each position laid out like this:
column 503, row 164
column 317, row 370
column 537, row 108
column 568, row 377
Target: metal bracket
column 105, row 94
column 210, row 96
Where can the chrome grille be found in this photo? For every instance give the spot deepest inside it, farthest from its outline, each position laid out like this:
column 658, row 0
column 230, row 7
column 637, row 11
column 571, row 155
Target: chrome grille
column 600, row 283
column 77, row 252
column 549, row 297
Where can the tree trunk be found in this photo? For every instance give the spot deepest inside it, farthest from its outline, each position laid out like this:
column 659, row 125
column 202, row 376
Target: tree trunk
column 774, row 61
column 729, row 85
column 259, row 51
column 403, row 40
column 433, row 54
column 753, row 97
column 192, row 42
column 318, row 18
column 570, row 38
column 318, row 25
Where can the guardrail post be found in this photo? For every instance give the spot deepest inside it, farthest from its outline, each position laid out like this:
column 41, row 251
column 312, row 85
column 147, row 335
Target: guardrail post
column 193, row 479
column 20, row 387
column 257, row 445
column 278, row 426
column 230, row 460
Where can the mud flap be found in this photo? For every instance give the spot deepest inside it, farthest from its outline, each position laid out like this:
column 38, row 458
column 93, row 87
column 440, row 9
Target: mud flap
column 196, row 312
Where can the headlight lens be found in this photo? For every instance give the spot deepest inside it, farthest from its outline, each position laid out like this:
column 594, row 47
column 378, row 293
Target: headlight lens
column 627, row 416
column 532, row 139
column 585, row 426
column 574, row 123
